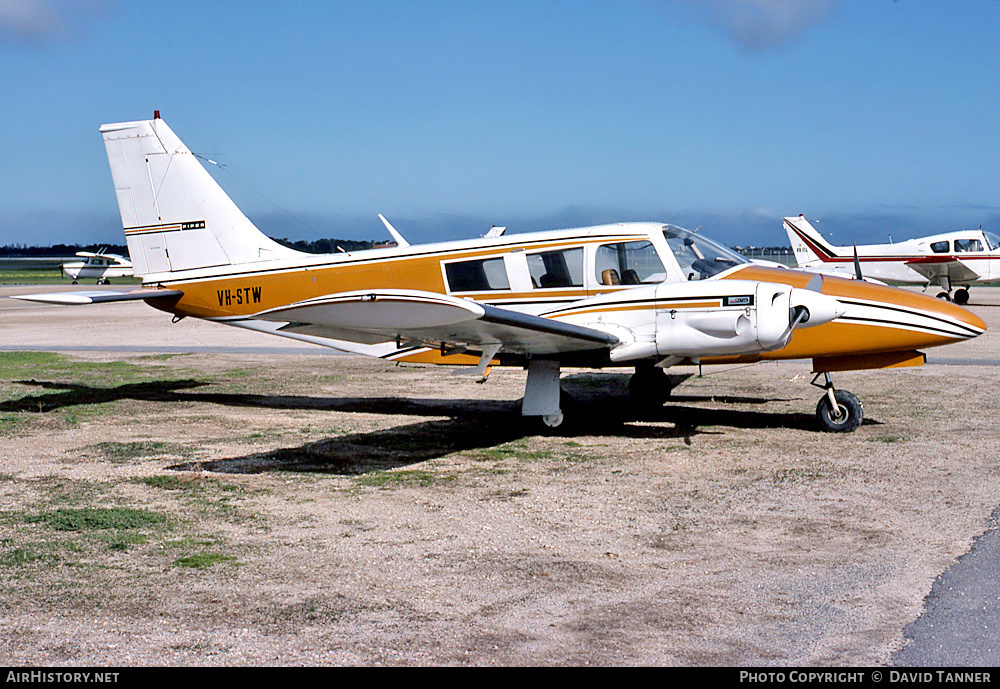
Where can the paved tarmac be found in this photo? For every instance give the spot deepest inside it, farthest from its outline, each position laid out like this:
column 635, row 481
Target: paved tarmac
column 961, row 621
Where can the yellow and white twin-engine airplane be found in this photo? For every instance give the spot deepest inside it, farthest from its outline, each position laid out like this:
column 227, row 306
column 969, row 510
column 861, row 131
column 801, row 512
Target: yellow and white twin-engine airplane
column 950, row 260
column 642, row 295
column 98, row 265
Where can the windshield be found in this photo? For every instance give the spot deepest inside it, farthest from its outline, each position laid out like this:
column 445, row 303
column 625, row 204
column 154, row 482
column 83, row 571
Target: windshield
column 992, row 240
column 699, row 258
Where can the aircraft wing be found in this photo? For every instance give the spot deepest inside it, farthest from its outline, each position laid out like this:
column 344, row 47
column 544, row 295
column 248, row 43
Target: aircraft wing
column 935, row 267
column 99, row 296
column 377, row 316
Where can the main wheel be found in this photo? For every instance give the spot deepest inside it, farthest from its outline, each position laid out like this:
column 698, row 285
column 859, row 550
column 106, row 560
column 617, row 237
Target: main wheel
column 649, row 387
column 962, row 297
column 564, row 421
column 554, row 420
column 845, row 418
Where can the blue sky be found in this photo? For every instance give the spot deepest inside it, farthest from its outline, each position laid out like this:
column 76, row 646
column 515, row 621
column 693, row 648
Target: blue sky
column 872, row 117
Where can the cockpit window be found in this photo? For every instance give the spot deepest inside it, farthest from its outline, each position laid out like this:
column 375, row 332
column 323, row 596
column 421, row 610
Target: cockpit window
column 992, row 241
column 699, row 258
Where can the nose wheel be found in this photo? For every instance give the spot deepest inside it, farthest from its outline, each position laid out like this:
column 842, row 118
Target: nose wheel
column 838, row 411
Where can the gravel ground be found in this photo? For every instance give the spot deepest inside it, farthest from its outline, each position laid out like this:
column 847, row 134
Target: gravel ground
column 226, row 507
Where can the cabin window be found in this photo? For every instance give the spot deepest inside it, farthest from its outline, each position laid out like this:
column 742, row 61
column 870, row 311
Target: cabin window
column 940, row 247
column 477, row 276
column 628, row 263
column 968, row 245
column 563, row 268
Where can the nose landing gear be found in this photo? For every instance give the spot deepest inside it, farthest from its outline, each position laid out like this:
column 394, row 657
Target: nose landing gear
column 838, row 411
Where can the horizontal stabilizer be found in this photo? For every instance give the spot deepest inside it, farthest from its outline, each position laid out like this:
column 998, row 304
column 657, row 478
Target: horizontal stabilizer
column 99, row 296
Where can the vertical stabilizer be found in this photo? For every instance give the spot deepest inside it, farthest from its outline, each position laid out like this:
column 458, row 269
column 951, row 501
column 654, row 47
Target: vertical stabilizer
column 175, row 216
column 808, row 245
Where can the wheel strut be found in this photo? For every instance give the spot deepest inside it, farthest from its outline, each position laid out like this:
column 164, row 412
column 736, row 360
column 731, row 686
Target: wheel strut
column 831, row 395
column 838, row 410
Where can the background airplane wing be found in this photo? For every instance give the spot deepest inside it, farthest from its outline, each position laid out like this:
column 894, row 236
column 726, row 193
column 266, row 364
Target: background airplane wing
column 935, row 267
column 376, row 316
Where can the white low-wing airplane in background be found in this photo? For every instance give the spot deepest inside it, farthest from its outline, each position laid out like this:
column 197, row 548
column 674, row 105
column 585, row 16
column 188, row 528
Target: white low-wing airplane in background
column 98, row 265
column 952, row 260
column 642, row 295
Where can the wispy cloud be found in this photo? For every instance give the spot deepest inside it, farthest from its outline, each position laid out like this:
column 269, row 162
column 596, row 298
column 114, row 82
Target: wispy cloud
column 41, row 21
column 758, row 25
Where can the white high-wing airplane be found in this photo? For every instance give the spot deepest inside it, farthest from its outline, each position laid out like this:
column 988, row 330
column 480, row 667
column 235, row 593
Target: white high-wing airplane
column 642, row 295
column 98, row 265
column 951, row 260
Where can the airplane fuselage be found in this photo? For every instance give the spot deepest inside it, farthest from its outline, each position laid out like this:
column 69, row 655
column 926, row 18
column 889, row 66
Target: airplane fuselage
column 100, row 266
column 950, row 259
column 879, row 321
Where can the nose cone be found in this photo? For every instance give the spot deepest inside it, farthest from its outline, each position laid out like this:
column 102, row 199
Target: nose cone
column 971, row 322
column 915, row 319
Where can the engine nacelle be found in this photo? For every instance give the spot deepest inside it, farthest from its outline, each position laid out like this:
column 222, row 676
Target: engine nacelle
column 722, row 318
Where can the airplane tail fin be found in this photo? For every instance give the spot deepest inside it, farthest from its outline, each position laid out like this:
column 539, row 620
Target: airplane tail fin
column 808, row 246
column 175, row 216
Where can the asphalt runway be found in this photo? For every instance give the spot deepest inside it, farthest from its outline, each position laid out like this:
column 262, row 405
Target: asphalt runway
column 961, row 622
column 960, row 625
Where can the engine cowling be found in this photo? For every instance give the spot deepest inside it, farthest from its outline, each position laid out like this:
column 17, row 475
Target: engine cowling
column 723, row 318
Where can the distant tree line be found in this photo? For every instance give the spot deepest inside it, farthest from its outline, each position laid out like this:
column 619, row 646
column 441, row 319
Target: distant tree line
column 317, row 246
column 20, row 250
column 327, row 246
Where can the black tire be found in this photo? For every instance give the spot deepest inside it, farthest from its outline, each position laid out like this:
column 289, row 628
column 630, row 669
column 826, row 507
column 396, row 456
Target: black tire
column 850, row 412
column 962, row 297
column 649, row 387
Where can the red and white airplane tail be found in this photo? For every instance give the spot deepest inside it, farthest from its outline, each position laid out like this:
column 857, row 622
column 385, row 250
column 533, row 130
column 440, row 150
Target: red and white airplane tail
column 808, row 245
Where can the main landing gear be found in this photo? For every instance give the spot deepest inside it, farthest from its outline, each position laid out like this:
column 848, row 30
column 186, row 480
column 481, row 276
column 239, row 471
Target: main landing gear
column 649, row 386
column 839, row 411
column 961, row 296
column 543, row 397
column 554, row 410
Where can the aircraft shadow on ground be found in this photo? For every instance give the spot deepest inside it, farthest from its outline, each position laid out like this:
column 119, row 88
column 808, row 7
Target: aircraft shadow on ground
column 459, row 424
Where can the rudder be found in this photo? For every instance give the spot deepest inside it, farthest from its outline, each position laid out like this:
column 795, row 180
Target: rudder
column 808, row 245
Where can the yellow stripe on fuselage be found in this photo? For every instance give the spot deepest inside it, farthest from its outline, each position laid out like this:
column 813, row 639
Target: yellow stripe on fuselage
column 252, row 288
